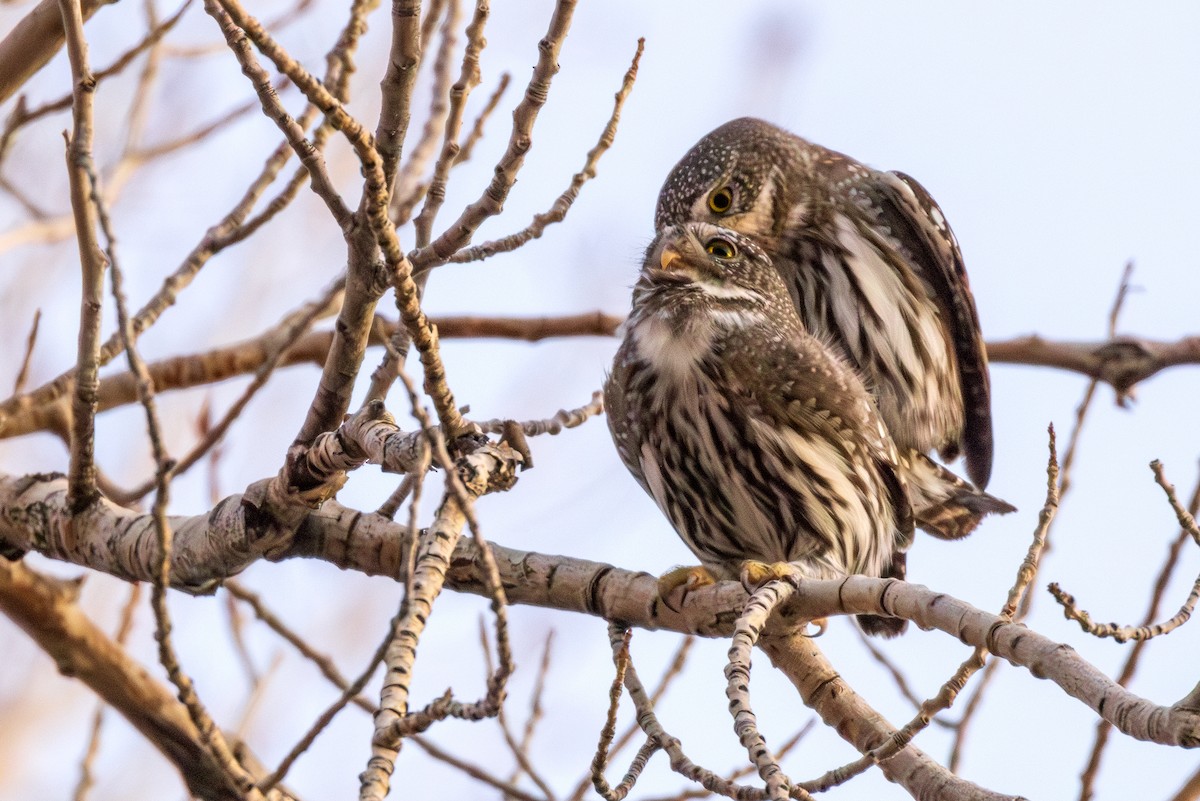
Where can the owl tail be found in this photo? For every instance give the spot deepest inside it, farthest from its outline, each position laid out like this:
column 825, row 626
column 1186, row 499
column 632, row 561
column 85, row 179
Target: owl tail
column 878, row 625
column 945, row 505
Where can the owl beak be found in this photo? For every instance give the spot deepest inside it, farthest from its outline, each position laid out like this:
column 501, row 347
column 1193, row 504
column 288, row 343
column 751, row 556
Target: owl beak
column 668, row 257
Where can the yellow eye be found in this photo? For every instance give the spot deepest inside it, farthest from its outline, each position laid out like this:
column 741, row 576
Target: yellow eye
column 721, row 201
column 721, row 248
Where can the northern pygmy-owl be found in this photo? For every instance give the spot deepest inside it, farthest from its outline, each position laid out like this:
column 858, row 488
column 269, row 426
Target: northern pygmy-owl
column 871, row 265
column 755, row 441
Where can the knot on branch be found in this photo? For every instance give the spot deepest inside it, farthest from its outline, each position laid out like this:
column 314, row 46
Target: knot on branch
column 273, row 509
column 1124, row 362
column 492, row 467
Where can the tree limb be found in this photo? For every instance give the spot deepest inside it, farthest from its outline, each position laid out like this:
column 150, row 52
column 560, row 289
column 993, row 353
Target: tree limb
column 214, row 546
column 45, row 609
column 1122, row 362
column 33, row 42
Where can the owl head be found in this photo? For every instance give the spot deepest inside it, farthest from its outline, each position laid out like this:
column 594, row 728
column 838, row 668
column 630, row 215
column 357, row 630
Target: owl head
column 700, row 263
column 734, row 177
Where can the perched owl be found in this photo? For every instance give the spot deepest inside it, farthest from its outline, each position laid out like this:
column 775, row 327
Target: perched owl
column 755, row 441
column 870, row 264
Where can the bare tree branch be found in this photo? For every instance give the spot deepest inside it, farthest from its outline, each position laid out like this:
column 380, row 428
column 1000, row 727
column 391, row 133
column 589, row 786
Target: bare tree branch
column 45, row 609
column 82, row 489
column 1122, row 362
column 33, row 41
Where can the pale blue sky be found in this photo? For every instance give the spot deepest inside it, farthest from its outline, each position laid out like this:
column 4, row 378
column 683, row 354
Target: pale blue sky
column 1060, row 142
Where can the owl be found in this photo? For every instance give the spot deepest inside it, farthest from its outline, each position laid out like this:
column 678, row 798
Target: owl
column 871, row 266
column 756, row 441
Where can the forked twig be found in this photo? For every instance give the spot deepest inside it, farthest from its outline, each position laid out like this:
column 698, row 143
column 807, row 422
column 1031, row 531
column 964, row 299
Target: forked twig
column 558, row 211
column 1144, row 632
column 1103, row 727
column 974, row 703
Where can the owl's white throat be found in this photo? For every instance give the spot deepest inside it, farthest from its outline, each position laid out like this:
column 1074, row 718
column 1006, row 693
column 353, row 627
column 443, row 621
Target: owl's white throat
column 672, row 339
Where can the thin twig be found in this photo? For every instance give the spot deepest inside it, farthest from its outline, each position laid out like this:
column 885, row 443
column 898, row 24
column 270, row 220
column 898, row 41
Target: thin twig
column 898, row 677
column 519, row 751
column 927, row 711
column 604, row 747
column 476, row 772
column 657, row 736
column 467, row 147
column 1028, row 569
column 22, row 116
column 30, row 341
column 291, row 329
column 562, row 420
column 1103, row 727
column 82, row 485
column 974, row 703
column 238, row 635
column 785, row 748
column 558, row 211
column 673, row 671
column 323, row 720
column 535, row 703
column 525, row 115
column 1144, row 632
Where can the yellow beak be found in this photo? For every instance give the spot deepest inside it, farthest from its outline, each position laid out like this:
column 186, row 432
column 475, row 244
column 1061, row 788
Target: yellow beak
column 668, row 257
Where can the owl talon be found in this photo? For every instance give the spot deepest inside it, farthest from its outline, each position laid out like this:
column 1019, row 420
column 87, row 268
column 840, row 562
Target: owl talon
column 755, row 573
column 676, row 585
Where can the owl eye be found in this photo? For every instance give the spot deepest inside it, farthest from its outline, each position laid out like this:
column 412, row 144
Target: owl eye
column 721, row 248
column 721, row 200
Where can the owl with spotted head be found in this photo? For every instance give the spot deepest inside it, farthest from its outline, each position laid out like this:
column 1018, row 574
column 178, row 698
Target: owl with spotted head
column 756, row 442
column 871, row 266
column 759, row 443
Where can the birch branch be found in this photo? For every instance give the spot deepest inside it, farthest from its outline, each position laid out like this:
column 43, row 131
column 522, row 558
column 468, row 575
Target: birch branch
column 216, row 545
column 82, row 491
column 43, row 410
column 1122, row 362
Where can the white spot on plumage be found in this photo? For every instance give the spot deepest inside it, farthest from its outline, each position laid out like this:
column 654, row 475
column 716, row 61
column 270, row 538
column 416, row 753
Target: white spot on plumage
column 938, row 218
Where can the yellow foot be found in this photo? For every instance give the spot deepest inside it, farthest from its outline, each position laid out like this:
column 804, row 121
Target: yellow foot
column 755, row 573
column 674, row 586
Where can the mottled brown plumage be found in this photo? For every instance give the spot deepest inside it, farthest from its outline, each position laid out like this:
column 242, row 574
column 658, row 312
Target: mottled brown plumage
column 871, row 265
column 755, row 441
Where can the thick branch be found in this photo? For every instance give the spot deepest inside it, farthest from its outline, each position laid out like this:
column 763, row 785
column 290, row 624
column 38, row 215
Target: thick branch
column 34, row 516
column 25, row 416
column 45, row 609
column 211, row 547
column 33, row 42
column 1122, row 362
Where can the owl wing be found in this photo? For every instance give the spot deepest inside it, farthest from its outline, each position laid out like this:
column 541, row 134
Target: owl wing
column 800, row 385
column 919, row 225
